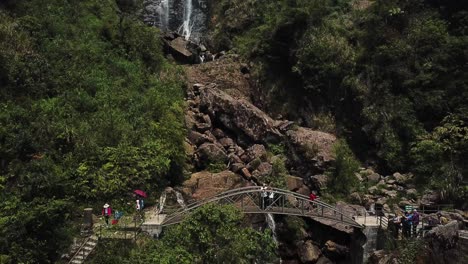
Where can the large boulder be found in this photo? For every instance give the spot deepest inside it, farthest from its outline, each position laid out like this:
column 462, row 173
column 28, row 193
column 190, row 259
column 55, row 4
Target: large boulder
column 311, row 151
column 240, row 116
column 205, row 184
column 318, row 182
column 446, row 245
column 263, row 170
column 178, row 48
column 294, row 183
column 308, row 252
column 210, row 153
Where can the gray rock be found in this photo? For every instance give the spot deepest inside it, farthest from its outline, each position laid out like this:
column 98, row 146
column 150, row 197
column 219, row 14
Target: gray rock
column 264, row 169
column 218, row 133
column 256, row 151
column 411, row 192
column 311, row 151
column 319, row 182
column 239, row 115
column 236, row 167
column 308, row 252
column 355, row 198
column 391, row 194
column 210, row 153
column 374, row 177
column 226, row 142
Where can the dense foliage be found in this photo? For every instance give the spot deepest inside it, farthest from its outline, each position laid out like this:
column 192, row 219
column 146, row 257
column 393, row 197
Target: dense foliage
column 392, row 74
column 212, row 234
column 341, row 175
column 89, row 111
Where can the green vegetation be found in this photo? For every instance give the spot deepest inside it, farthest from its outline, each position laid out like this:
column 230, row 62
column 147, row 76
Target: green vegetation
column 392, row 73
column 341, row 178
column 212, row 234
column 89, row 111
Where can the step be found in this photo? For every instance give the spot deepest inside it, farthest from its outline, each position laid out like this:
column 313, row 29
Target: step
column 87, row 248
column 77, row 261
column 91, row 243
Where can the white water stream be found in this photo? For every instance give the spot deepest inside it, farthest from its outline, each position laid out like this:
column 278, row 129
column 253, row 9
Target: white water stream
column 186, row 28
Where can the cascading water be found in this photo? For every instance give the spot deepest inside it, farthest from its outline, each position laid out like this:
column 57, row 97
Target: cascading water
column 186, row 28
column 180, row 199
column 272, row 225
column 162, row 202
column 186, row 17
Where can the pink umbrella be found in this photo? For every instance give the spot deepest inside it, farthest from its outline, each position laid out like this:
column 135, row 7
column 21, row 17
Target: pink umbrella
column 140, row 192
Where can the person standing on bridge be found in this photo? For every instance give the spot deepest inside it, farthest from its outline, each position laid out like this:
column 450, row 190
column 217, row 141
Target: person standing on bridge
column 312, row 198
column 263, row 196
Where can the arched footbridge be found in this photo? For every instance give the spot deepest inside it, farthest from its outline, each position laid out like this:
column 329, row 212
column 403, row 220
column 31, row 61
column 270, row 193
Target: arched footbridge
column 255, row 200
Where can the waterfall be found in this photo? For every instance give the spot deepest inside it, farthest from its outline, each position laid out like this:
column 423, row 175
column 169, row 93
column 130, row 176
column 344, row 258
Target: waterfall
column 162, row 202
column 272, row 225
column 186, row 28
column 163, row 11
column 180, row 199
column 189, row 18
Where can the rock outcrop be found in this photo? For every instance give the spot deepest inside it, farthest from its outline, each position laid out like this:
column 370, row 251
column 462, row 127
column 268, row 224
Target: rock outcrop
column 311, row 151
column 239, row 116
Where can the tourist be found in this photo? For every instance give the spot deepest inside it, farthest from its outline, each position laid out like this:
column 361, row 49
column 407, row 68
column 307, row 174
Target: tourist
column 396, row 221
column 442, row 219
column 415, row 222
column 106, row 212
column 312, row 198
column 406, row 225
column 271, row 196
column 263, row 196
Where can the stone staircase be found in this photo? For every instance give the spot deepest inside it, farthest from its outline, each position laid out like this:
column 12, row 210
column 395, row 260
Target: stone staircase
column 85, row 249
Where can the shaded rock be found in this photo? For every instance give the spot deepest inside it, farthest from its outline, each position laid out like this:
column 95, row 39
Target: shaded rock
column 239, row 115
column 318, row 182
column 391, row 194
column 246, row 173
column 233, row 158
column 374, row 177
column 210, row 153
column 308, row 252
column 205, row 184
column 304, row 190
column 197, row 138
column 236, row 167
column 256, row 151
column 355, row 198
column 189, row 119
column 310, row 150
column 324, row 260
column 351, row 209
column 203, row 123
column 178, row 48
column 401, row 178
column 226, row 142
column 430, row 197
column 218, row 133
column 335, row 251
column 294, row 183
column 412, row 192
column 373, row 190
column 263, row 170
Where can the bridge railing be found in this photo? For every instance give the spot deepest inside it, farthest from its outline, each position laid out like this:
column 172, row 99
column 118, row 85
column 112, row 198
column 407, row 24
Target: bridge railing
column 303, row 205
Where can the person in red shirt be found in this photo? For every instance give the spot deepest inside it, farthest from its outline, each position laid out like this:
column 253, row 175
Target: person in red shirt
column 106, row 212
column 312, row 198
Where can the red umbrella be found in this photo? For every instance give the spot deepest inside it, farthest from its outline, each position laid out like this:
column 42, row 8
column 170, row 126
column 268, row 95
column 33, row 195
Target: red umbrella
column 140, row 192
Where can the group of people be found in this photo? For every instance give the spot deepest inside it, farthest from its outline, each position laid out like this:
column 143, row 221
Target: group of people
column 408, row 223
column 107, row 211
column 266, row 197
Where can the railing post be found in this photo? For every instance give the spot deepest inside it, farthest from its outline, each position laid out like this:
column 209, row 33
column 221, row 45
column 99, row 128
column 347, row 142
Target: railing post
column 302, row 207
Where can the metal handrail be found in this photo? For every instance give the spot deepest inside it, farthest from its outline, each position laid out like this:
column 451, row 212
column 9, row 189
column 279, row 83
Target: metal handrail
column 257, row 189
column 78, row 251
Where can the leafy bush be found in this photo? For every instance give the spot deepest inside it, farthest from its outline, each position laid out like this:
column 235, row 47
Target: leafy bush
column 341, row 178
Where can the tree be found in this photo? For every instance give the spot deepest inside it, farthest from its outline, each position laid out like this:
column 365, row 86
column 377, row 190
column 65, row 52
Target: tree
column 211, row 234
column 341, row 175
